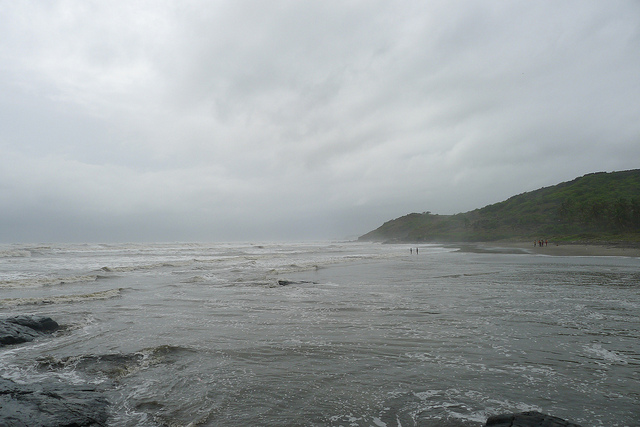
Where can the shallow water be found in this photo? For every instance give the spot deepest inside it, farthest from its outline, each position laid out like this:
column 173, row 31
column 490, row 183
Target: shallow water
column 362, row 335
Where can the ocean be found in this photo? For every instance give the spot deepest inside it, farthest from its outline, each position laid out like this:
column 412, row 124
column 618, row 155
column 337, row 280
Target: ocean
column 328, row 333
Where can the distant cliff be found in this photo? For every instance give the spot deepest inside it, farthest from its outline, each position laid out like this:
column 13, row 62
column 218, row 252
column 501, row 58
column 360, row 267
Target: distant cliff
column 596, row 207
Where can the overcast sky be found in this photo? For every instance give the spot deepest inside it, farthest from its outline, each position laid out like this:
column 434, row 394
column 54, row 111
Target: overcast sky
column 270, row 120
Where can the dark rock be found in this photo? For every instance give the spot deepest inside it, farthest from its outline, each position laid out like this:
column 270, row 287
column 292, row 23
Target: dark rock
column 282, row 282
column 527, row 419
column 38, row 323
column 51, row 405
column 19, row 329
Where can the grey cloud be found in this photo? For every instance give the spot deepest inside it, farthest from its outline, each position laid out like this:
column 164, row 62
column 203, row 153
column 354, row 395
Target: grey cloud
column 243, row 119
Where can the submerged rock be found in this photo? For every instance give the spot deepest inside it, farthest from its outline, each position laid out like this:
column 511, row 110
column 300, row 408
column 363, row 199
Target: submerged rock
column 527, row 419
column 51, row 405
column 19, row 329
column 282, row 282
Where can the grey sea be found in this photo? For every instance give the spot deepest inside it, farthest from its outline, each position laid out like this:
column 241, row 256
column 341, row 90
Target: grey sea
column 329, row 334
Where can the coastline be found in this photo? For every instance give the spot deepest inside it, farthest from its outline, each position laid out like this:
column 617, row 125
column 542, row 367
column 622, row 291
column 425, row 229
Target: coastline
column 555, row 249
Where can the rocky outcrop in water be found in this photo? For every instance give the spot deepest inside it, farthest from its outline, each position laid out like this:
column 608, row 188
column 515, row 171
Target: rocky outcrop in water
column 19, row 329
column 283, row 282
column 51, row 405
column 527, row 419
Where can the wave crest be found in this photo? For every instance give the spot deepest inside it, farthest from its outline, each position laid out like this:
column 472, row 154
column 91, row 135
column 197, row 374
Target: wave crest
column 42, row 281
column 15, row 253
column 62, row 299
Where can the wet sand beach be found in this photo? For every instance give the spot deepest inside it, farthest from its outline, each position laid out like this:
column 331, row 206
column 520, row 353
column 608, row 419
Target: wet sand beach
column 557, row 249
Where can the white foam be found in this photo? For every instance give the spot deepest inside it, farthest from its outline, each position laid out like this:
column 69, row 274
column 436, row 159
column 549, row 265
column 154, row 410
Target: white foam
column 606, row 355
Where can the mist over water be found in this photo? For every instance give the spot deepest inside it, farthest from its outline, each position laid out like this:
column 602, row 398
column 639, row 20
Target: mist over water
column 329, row 333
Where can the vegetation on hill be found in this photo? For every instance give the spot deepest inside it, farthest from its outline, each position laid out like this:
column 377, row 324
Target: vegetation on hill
column 596, row 207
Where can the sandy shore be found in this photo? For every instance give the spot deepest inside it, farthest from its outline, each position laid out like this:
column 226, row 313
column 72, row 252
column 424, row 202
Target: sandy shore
column 558, row 249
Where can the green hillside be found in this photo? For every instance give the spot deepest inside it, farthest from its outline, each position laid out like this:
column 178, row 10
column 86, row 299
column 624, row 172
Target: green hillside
column 596, row 207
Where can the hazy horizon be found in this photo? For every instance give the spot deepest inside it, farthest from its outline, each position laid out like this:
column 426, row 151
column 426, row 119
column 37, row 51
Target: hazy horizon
column 284, row 121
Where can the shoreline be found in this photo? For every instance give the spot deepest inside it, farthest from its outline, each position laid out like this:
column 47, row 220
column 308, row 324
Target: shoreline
column 554, row 249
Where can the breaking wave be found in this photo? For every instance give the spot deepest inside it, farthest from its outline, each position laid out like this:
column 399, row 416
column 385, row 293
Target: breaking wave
column 61, row 299
column 15, row 253
column 41, row 281
column 146, row 267
column 114, row 365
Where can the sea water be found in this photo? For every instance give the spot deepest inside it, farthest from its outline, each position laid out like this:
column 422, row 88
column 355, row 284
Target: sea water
column 329, row 334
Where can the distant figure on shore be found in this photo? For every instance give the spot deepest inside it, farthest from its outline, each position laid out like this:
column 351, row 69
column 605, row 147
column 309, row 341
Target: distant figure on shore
column 411, row 251
column 416, row 251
